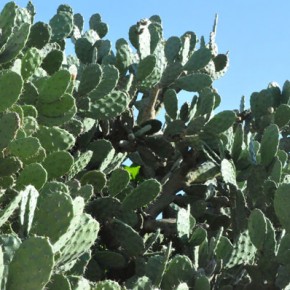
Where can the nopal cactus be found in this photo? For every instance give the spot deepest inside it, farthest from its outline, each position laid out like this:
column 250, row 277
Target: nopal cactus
column 98, row 191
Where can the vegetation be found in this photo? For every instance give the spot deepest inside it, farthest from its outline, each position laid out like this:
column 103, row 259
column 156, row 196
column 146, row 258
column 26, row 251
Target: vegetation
column 99, row 192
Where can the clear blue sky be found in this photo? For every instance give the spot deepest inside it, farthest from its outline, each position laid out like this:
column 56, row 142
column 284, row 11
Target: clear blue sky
column 256, row 33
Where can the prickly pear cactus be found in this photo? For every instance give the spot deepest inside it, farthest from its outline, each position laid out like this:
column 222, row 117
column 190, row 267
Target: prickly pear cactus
column 99, row 190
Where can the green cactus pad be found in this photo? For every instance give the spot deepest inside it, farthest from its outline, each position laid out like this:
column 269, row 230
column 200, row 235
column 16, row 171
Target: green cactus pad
column 220, row 122
column 179, row 269
column 58, row 282
column 204, row 171
column 30, row 125
column 281, row 205
column 12, row 199
column 29, row 111
column 142, row 195
column 224, row 249
column 198, row 60
column 27, row 207
column 238, row 142
column 54, row 186
column 81, row 264
column 30, row 62
column 194, row 82
column 80, row 163
column 276, row 171
column 103, row 53
column 128, row 238
column 48, row 211
column 228, row 172
column 96, row 24
column 185, row 48
column 243, row 252
column 74, row 127
column 7, row 21
column 172, row 48
column 96, row 178
column 155, row 268
column 202, row 283
column 25, row 148
column 103, row 153
column 184, row 222
column 269, row 144
column 33, row 174
column 282, row 115
column 104, row 208
column 124, row 55
column 109, row 80
column 55, row 139
column 110, row 259
column 257, row 228
column 171, row 103
column 59, row 120
column 221, row 64
column 32, row 265
column 90, row 79
column 79, row 238
column 285, row 92
column 146, row 67
column 10, row 89
column 40, row 34
column 54, row 87
column 61, row 25
column 57, row 164
column 84, row 50
column 53, row 61
column 118, row 181
column 283, row 251
column 79, row 21
column 57, row 108
column 170, row 74
column 7, row 182
column 206, row 102
column 9, row 166
column 15, row 43
column 155, row 76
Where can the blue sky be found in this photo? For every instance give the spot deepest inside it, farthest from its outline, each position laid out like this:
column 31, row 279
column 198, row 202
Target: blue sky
column 256, row 33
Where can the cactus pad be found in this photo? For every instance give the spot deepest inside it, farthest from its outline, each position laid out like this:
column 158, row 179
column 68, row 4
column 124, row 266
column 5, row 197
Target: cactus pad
column 32, row 265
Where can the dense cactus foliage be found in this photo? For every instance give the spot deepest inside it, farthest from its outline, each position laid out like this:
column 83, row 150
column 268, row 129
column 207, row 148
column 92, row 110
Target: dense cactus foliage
column 98, row 191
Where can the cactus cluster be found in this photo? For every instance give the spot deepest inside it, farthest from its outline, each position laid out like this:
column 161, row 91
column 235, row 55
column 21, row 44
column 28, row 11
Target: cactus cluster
column 98, row 191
